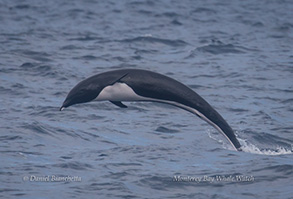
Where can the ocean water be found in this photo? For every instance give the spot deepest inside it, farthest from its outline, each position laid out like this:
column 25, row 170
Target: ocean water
column 238, row 55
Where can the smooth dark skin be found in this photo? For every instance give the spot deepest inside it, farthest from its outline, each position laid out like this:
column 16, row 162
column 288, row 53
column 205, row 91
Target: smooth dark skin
column 152, row 85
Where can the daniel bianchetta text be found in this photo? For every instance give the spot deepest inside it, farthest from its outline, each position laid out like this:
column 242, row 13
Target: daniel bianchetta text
column 212, row 179
column 51, row 178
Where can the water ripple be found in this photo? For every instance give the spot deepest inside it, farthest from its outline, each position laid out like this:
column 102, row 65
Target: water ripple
column 150, row 39
column 74, row 165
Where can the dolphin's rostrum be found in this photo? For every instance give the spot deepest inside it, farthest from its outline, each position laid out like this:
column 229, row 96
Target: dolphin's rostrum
column 143, row 85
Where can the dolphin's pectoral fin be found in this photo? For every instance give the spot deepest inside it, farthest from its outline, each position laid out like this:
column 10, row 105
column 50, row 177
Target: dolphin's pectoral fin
column 118, row 103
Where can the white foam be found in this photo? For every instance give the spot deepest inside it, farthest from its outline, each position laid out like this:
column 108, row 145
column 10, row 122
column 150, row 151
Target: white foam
column 251, row 148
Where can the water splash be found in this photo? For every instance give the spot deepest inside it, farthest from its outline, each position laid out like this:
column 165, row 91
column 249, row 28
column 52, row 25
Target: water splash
column 251, row 148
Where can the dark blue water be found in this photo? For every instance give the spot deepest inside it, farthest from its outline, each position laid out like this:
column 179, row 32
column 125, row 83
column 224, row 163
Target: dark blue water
column 238, row 55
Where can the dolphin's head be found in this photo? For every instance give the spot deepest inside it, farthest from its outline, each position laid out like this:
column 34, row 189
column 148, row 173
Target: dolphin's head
column 83, row 92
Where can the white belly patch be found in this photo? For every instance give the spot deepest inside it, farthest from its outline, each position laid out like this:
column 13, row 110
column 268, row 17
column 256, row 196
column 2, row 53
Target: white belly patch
column 119, row 92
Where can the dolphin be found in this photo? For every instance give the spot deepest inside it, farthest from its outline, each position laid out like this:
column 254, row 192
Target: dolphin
column 142, row 85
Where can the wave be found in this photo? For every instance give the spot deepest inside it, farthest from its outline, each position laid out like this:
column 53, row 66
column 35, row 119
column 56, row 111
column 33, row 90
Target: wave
column 217, row 47
column 74, row 165
column 151, row 39
column 220, row 49
column 37, row 69
column 166, row 130
column 35, row 55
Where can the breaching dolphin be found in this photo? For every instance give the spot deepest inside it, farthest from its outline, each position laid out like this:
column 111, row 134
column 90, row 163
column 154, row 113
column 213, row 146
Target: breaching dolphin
column 142, row 85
